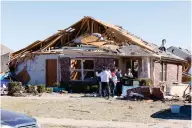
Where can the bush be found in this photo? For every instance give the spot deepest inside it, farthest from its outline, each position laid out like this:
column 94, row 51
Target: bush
column 32, row 89
column 79, row 87
column 41, row 88
column 91, row 88
column 49, row 90
column 145, row 81
column 14, row 87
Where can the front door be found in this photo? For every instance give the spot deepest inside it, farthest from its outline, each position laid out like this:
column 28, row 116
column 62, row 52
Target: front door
column 51, row 71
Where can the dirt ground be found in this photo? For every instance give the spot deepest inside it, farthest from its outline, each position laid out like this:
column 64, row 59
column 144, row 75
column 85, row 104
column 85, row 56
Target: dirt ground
column 75, row 106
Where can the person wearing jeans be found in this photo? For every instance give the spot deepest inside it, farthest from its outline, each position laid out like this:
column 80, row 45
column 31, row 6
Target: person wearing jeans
column 114, row 79
column 105, row 76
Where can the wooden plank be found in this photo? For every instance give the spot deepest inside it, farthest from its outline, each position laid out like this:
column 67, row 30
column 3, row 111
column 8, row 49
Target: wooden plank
column 97, row 43
column 82, row 24
column 51, row 43
column 34, row 43
column 88, row 28
column 91, row 26
column 132, row 38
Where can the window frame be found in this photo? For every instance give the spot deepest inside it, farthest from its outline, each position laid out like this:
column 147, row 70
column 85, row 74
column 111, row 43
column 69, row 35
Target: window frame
column 82, row 70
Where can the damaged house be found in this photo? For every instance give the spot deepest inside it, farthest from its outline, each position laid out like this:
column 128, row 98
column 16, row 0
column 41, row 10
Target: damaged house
column 77, row 52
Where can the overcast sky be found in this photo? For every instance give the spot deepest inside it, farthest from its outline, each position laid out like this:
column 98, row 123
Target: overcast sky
column 25, row 22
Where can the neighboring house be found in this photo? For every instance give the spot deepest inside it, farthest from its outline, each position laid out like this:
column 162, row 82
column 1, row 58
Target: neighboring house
column 183, row 53
column 77, row 52
column 5, row 54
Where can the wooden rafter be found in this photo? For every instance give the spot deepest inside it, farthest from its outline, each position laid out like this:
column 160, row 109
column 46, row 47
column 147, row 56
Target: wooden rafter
column 86, row 24
column 51, row 43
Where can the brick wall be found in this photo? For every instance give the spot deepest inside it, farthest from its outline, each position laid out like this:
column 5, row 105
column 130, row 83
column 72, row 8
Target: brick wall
column 100, row 62
column 157, row 68
column 171, row 73
column 65, row 63
column 180, row 73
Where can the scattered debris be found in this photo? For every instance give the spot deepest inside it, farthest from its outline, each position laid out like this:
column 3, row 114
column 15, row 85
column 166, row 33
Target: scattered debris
column 157, row 94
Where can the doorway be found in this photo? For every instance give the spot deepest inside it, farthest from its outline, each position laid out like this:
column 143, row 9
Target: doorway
column 51, row 72
column 134, row 66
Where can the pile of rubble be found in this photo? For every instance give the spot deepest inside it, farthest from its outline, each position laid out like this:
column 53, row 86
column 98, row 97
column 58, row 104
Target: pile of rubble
column 145, row 92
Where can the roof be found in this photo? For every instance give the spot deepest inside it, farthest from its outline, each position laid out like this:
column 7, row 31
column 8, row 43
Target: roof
column 181, row 49
column 85, row 25
column 134, row 50
column 164, row 54
column 88, row 31
column 183, row 53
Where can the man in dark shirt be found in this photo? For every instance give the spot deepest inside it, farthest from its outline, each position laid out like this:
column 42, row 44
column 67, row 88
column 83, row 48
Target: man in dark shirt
column 162, row 47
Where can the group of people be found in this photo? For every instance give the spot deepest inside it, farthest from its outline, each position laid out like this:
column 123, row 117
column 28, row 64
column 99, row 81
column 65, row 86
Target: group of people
column 108, row 80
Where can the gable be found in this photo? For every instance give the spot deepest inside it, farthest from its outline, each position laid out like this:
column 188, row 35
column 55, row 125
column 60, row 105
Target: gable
column 87, row 25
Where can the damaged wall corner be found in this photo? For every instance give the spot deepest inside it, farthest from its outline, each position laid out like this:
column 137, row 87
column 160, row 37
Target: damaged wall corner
column 23, row 76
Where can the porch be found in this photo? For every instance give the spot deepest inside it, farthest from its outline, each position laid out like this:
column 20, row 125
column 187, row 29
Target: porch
column 141, row 67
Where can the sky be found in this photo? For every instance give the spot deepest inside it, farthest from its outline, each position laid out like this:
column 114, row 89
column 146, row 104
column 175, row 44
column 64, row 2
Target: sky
column 22, row 23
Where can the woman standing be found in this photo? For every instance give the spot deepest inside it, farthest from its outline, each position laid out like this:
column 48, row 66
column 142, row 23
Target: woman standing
column 114, row 80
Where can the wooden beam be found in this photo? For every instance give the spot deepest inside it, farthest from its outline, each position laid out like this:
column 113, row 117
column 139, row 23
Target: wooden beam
column 91, row 26
column 88, row 28
column 82, row 24
column 51, row 43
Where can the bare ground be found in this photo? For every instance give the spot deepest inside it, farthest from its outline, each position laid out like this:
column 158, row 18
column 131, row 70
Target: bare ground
column 74, row 106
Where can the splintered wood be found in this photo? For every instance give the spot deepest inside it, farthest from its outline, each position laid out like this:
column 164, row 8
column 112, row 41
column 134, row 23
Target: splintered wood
column 112, row 34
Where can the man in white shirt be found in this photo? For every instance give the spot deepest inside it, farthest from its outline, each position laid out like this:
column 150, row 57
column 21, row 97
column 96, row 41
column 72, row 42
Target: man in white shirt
column 105, row 76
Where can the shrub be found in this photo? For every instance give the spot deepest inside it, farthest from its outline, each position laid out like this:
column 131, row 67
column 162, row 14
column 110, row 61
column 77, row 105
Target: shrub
column 94, row 88
column 91, row 88
column 145, row 81
column 14, row 87
column 49, row 90
column 79, row 87
column 41, row 88
column 32, row 89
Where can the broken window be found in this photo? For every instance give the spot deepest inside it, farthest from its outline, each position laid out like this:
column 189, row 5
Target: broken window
column 88, row 64
column 76, row 75
column 88, row 75
column 82, row 69
column 75, row 64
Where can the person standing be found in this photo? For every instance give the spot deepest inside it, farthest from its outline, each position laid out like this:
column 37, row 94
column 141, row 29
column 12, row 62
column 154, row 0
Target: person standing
column 129, row 74
column 99, row 83
column 105, row 76
column 114, row 80
column 118, row 85
column 118, row 74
